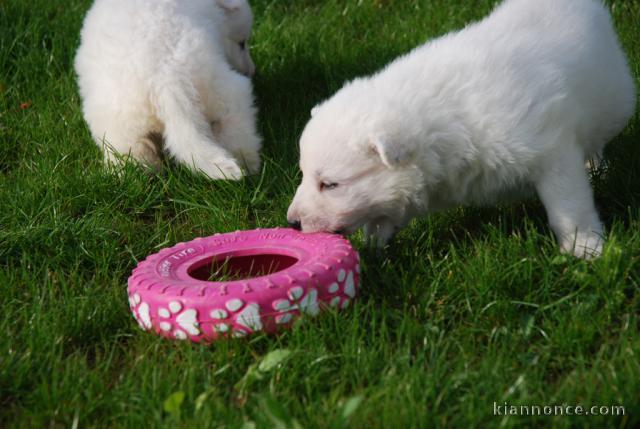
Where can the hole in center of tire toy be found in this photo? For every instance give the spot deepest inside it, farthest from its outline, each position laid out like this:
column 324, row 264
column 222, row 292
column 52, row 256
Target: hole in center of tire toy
column 229, row 267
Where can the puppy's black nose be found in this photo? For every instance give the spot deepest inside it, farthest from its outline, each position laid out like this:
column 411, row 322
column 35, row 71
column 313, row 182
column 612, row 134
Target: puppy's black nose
column 295, row 224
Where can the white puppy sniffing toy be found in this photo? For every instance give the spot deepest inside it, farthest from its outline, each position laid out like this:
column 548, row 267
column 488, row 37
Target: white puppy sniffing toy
column 172, row 69
column 517, row 100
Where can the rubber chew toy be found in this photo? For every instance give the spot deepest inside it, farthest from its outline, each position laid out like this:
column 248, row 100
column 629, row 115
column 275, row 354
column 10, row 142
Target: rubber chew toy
column 283, row 273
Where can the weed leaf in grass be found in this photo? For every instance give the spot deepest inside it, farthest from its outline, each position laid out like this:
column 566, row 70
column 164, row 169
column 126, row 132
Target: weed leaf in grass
column 173, row 403
column 273, row 359
column 200, row 400
column 348, row 408
column 257, row 370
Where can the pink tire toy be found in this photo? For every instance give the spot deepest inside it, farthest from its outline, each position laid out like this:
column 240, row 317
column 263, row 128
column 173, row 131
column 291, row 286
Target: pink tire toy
column 283, row 273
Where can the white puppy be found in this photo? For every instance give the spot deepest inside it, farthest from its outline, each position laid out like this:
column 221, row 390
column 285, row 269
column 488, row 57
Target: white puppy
column 175, row 69
column 515, row 101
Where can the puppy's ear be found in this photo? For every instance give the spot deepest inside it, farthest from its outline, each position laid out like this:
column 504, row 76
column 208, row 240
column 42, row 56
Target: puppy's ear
column 392, row 153
column 230, row 5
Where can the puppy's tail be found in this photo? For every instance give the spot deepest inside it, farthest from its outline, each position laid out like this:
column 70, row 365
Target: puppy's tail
column 187, row 132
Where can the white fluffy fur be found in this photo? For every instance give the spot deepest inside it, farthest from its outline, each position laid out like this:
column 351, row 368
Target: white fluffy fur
column 517, row 100
column 171, row 68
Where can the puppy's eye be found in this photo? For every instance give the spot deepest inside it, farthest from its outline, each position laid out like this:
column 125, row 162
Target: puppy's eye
column 242, row 45
column 327, row 186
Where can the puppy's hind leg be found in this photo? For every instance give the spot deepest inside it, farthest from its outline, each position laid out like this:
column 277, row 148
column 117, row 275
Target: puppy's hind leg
column 187, row 132
column 564, row 189
column 124, row 135
column 228, row 102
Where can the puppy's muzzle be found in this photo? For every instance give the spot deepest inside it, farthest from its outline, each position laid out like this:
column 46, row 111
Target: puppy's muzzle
column 295, row 224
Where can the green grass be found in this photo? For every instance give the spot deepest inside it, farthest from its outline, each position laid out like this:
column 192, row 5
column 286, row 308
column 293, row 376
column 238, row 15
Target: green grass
column 467, row 308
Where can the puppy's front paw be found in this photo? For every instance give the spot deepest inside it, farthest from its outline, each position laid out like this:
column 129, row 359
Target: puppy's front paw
column 222, row 168
column 380, row 232
column 586, row 245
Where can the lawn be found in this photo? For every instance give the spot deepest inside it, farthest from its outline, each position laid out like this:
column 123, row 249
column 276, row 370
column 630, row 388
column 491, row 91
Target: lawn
column 467, row 309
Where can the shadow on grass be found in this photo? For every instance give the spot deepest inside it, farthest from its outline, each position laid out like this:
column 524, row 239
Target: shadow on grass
column 285, row 95
column 616, row 185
